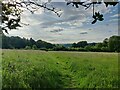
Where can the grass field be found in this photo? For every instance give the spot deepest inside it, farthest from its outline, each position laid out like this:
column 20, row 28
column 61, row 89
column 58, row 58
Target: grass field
column 39, row 69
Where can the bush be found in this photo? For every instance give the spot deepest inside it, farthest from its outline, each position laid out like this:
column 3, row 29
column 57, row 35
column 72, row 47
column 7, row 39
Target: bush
column 27, row 47
column 34, row 47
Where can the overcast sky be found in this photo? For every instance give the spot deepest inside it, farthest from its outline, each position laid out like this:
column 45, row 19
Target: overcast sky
column 74, row 25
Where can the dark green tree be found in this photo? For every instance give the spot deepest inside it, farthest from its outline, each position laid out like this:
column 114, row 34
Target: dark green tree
column 21, row 43
column 105, row 42
column 27, row 47
column 74, row 45
column 80, row 44
column 34, row 47
column 114, row 43
column 32, row 42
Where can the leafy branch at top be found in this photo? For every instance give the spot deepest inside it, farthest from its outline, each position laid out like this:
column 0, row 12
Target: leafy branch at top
column 96, row 15
column 11, row 12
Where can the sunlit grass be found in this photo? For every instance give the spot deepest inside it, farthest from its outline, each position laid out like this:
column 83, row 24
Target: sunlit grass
column 40, row 69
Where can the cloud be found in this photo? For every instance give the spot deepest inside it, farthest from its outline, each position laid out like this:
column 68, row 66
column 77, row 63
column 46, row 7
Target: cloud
column 56, row 30
column 116, row 15
column 72, row 26
column 84, row 33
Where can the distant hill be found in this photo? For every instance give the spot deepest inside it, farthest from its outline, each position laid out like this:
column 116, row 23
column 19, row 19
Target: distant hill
column 67, row 45
column 71, row 45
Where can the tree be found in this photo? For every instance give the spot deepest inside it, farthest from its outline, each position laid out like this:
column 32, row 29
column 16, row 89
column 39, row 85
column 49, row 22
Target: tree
column 98, row 46
column 80, row 44
column 27, row 47
column 59, row 47
column 88, row 48
column 32, row 42
column 42, row 44
column 34, row 47
column 105, row 42
column 21, row 43
column 14, row 8
column 74, row 45
column 5, row 42
column 114, row 43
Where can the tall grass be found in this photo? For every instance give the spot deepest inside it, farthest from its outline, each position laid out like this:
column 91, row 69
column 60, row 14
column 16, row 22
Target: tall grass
column 39, row 69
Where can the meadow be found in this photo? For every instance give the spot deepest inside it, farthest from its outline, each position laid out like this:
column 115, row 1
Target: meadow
column 49, row 69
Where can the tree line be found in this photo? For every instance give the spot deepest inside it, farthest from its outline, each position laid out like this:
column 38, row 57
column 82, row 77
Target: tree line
column 108, row 45
column 23, row 43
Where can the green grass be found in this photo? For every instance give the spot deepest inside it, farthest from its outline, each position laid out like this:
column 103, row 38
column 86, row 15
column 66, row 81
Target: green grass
column 39, row 69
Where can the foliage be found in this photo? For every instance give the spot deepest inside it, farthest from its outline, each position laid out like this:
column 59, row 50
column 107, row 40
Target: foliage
column 80, row 44
column 108, row 45
column 9, row 10
column 59, row 48
column 87, row 4
column 114, row 43
column 34, row 47
column 27, row 47
column 12, row 10
column 21, row 43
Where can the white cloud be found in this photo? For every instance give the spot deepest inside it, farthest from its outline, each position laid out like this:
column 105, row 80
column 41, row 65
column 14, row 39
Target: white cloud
column 74, row 23
column 116, row 15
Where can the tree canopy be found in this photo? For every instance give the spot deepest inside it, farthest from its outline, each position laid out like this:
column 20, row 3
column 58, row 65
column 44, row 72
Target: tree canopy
column 12, row 9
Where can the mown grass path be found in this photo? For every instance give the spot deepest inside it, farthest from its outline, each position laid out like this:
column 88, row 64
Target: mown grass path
column 64, row 67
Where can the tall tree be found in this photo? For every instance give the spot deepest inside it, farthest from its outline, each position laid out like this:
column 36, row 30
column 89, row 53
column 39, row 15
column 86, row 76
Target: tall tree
column 32, row 42
column 114, row 43
column 105, row 42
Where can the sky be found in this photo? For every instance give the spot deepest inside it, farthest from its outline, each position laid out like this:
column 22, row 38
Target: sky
column 74, row 25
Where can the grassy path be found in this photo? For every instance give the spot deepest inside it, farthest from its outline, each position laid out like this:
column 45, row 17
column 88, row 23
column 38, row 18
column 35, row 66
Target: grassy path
column 68, row 77
column 64, row 67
